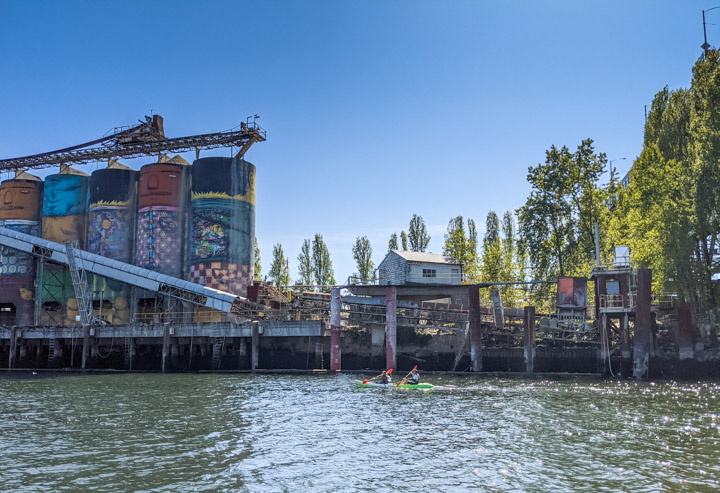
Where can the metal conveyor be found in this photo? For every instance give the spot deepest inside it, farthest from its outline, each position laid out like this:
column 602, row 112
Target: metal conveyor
column 129, row 274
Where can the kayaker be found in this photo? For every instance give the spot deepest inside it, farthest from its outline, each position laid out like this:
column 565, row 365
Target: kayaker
column 385, row 378
column 415, row 378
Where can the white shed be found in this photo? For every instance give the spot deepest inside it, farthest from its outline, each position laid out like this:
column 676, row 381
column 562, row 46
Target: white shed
column 401, row 267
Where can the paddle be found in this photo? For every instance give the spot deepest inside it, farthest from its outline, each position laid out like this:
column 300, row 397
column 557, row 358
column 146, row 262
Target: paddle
column 401, row 381
column 388, row 373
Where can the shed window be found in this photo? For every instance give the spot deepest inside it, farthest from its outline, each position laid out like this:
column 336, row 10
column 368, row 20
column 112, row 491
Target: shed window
column 429, row 273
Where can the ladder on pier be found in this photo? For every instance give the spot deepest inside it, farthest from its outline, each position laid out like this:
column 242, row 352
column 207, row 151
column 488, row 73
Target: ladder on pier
column 127, row 351
column 51, row 350
column 79, row 280
column 217, row 352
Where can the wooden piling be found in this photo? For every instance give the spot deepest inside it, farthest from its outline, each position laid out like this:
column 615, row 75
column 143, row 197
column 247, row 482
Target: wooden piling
column 335, row 356
column 686, row 342
column 165, row 347
column 255, row 344
column 529, row 329
column 475, row 329
column 13, row 347
column 391, row 328
column 643, row 335
column 86, row 348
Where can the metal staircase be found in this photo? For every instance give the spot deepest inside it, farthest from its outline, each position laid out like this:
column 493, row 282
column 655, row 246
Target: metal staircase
column 217, row 352
column 79, row 280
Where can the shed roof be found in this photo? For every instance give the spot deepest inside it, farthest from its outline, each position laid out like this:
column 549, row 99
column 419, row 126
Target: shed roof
column 430, row 258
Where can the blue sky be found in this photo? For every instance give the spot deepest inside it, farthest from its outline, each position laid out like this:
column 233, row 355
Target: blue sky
column 375, row 110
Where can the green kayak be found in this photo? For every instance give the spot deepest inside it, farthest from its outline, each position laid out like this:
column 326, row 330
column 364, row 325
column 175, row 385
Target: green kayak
column 394, row 385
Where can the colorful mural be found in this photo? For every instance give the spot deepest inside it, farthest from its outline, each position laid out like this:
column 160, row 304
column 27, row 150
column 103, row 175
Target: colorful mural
column 222, row 224
column 20, row 207
column 159, row 240
column 110, row 232
column 66, row 195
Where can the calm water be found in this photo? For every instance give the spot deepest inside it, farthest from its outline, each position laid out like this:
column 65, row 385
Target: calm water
column 320, row 433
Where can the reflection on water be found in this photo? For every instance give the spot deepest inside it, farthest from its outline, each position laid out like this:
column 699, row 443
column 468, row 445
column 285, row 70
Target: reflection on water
column 321, row 433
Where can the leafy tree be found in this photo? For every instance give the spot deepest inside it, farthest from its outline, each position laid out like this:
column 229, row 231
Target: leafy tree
column 393, row 243
column 557, row 221
column 362, row 253
column 279, row 269
column 258, row 262
column 306, row 266
column 462, row 245
column 417, row 234
column 404, row 240
column 322, row 265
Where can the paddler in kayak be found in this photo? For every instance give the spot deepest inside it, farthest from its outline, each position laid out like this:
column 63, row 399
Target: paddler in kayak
column 413, row 378
column 385, row 378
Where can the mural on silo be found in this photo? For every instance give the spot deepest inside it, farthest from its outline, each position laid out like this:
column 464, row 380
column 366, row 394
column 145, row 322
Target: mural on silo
column 160, row 217
column 65, row 214
column 20, row 206
column 65, row 207
column 111, row 226
column 223, row 224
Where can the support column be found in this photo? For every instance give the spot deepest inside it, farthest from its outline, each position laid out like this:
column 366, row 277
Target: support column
column 529, row 326
column 86, row 348
column 335, row 356
column 625, row 331
column 255, row 343
column 686, row 342
column 132, row 352
column 13, row 347
column 391, row 328
column 165, row 346
column 475, row 329
column 242, row 352
column 318, row 363
column 58, row 344
column 643, row 335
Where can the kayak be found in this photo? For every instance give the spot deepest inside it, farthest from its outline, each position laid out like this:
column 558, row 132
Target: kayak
column 394, row 385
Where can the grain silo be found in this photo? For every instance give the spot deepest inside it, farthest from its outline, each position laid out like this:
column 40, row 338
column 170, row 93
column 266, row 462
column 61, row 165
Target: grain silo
column 65, row 215
column 111, row 233
column 20, row 210
column 222, row 224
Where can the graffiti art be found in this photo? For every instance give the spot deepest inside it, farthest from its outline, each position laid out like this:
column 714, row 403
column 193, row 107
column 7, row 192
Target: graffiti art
column 109, row 233
column 159, row 240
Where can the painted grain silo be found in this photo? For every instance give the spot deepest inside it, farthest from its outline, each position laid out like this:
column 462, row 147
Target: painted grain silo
column 65, row 215
column 65, row 206
column 20, row 210
column 111, row 233
column 161, row 216
column 222, row 224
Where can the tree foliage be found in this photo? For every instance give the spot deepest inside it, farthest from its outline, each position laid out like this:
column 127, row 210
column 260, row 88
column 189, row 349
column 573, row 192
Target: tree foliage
column 404, row 240
column 322, row 265
column 279, row 269
column 257, row 266
column 306, row 266
column 362, row 253
column 461, row 244
column 417, row 234
column 393, row 243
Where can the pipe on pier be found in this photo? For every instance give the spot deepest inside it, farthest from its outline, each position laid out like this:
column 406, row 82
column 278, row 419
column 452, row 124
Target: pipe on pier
column 643, row 334
column 529, row 329
column 475, row 329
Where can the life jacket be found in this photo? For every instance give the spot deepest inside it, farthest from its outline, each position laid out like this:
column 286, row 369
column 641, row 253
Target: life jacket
column 415, row 378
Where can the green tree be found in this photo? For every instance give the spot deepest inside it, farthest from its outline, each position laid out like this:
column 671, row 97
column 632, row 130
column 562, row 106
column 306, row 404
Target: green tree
column 393, row 243
column 404, row 240
column 306, row 266
column 417, row 234
column 323, row 269
column 279, row 269
column 362, row 253
column 258, row 261
column 462, row 245
column 558, row 219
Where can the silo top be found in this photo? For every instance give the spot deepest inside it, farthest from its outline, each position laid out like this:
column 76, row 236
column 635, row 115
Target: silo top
column 228, row 178
column 160, row 185
column 112, row 187
column 66, row 195
column 21, row 199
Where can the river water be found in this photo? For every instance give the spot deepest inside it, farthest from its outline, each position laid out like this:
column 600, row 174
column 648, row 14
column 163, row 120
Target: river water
column 185, row 432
